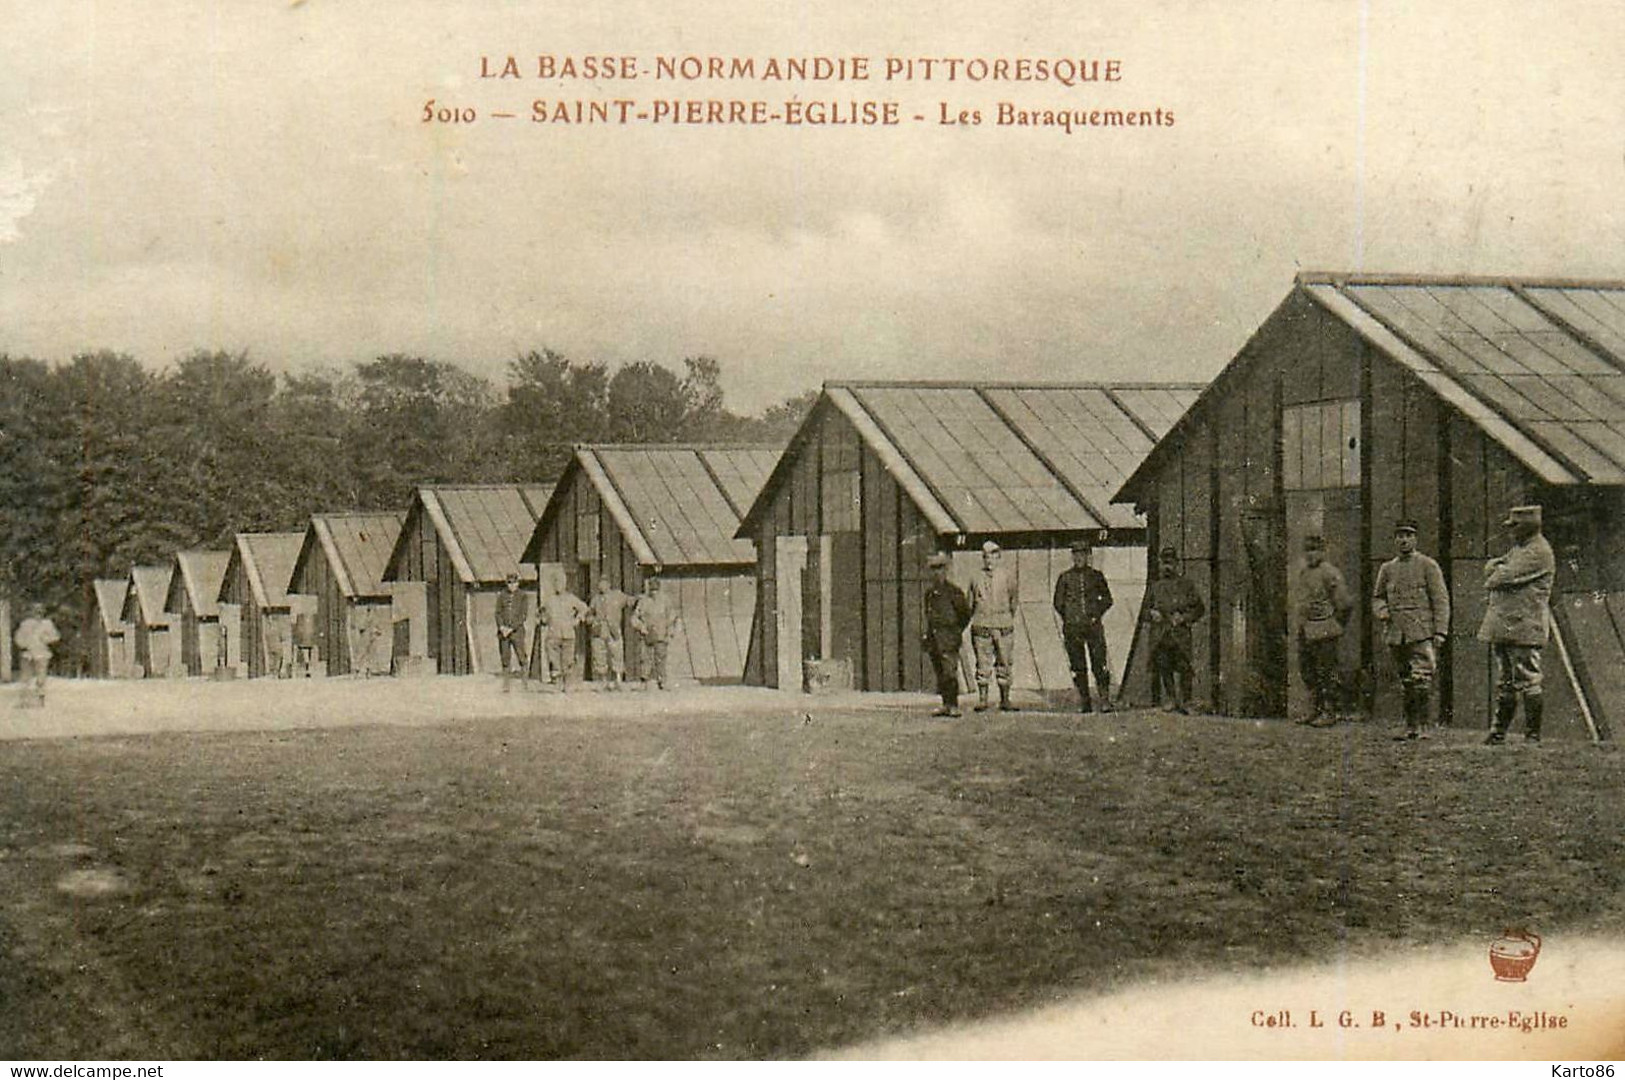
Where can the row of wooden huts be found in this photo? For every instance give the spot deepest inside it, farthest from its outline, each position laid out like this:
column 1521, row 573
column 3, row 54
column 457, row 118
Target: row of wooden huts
column 1360, row 399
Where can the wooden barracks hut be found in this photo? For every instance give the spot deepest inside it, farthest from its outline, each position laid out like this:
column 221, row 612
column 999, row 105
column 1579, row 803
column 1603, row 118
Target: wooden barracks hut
column 341, row 565
column 454, row 553
column 256, row 586
column 193, row 604
column 628, row 512
column 1365, row 398
column 110, row 646
column 157, row 646
column 883, row 474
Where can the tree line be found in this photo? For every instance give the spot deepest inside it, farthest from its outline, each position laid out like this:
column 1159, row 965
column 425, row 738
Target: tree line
column 105, row 463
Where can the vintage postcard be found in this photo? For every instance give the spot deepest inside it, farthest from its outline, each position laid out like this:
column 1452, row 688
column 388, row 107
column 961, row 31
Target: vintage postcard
column 851, row 531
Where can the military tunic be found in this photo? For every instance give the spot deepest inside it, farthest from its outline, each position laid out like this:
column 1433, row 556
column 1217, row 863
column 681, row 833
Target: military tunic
column 1518, row 618
column 1323, row 605
column 1172, row 604
column 947, row 613
column 1411, row 603
column 1082, row 596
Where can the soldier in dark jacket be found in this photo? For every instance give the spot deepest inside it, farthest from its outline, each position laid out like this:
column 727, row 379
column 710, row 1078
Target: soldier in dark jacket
column 1323, row 607
column 1082, row 596
column 947, row 613
column 1172, row 605
column 513, row 608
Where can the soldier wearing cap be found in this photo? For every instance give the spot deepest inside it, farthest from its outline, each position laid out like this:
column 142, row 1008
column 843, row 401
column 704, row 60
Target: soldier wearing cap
column 1412, row 605
column 1082, row 596
column 993, row 603
column 513, row 608
column 1323, row 609
column 1172, row 604
column 1518, row 620
column 947, row 613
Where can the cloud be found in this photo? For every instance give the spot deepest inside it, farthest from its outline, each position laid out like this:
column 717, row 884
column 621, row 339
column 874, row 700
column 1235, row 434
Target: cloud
column 19, row 194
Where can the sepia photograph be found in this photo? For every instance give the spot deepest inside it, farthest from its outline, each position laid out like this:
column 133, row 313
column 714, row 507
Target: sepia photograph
column 732, row 532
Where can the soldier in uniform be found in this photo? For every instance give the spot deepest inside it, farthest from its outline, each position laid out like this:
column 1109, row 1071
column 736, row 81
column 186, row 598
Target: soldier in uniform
column 1517, row 622
column 563, row 611
column 1412, row 606
column 993, row 603
column 656, row 620
column 1082, row 596
column 1324, row 605
column 947, row 613
column 1172, row 605
column 513, row 608
column 608, row 648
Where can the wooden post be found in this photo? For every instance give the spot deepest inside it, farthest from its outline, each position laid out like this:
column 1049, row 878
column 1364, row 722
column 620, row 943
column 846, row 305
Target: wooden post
column 5, row 639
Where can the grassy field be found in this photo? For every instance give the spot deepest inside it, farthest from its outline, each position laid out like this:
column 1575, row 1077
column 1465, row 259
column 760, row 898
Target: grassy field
column 712, row 886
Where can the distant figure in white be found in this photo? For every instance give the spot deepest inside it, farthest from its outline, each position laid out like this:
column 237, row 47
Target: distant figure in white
column 35, row 637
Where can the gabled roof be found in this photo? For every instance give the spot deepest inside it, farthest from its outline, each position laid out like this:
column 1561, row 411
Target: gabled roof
column 149, row 586
column 1537, row 365
column 200, row 575
column 676, row 505
column 110, row 596
column 991, row 458
column 267, row 560
column 356, row 546
column 483, row 527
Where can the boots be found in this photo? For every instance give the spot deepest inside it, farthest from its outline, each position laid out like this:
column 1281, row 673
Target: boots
column 1505, row 706
column 1106, row 695
column 1533, row 708
column 981, row 698
column 1416, row 713
column 1085, row 703
column 1182, row 693
column 1004, row 699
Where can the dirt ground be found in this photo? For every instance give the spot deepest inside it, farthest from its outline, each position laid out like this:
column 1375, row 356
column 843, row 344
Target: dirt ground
column 390, row 868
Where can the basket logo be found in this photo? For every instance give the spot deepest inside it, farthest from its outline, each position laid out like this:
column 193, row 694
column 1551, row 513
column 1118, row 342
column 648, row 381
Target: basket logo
column 1513, row 954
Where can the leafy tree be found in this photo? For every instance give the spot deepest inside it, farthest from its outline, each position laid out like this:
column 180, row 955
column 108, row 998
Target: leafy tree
column 647, row 403
column 552, row 404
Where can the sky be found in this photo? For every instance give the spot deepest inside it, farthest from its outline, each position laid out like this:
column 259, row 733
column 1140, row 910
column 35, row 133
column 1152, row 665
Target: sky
column 256, row 175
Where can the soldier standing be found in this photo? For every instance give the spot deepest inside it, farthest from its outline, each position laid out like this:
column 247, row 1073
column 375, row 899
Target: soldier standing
column 1082, row 596
column 1517, row 622
column 608, row 648
column 1324, row 605
column 993, row 627
column 947, row 613
column 1412, row 606
column 513, row 608
column 656, row 620
column 564, row 611
column 1172, row 605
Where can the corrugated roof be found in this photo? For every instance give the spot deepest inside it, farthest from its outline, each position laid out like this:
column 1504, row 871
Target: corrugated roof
column 149, row 589
column 679, row 505
column 357, row 546
column 1537, row 365
column 267, row 560
column 201, row 575
column 740, row 471
column 990, row 458
column 110, row 596
column 484, row 527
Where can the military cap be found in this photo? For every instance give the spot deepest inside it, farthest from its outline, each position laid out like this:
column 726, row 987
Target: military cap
column 1405, row 525
column 989, row 547
column 1529, row 514
column 1081, row 545
column 939, row 559
column 1314, row 543
column 1168, row 553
